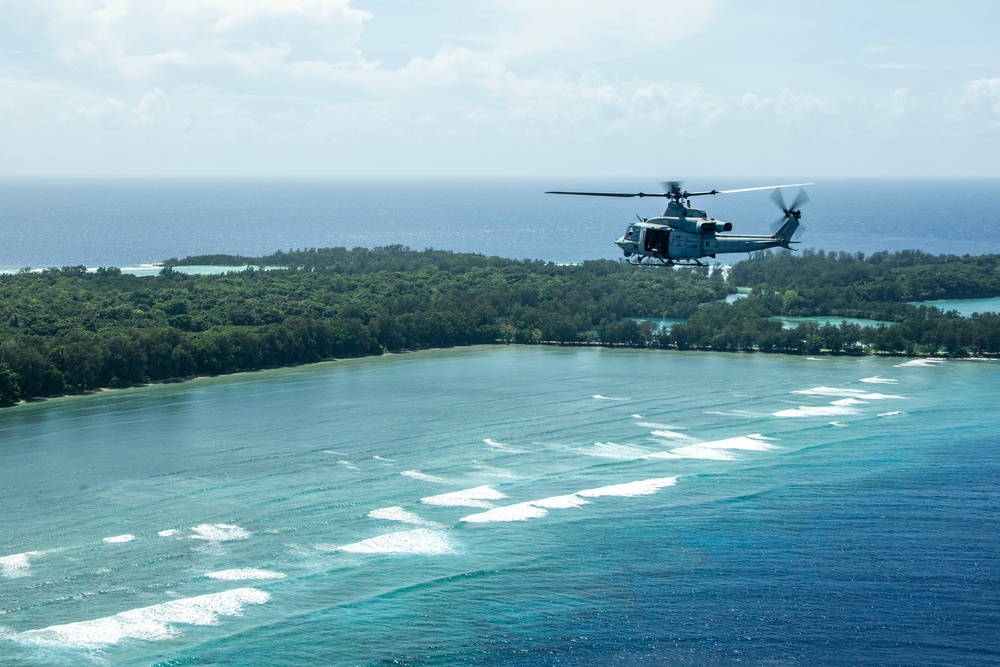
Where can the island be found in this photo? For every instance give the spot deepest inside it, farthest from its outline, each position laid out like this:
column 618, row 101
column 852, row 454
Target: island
column 69, row 330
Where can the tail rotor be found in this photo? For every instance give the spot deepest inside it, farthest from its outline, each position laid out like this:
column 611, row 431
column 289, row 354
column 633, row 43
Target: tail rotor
column 786, row 228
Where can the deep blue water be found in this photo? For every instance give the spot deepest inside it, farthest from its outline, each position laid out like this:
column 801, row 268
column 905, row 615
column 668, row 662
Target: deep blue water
column 101, row 222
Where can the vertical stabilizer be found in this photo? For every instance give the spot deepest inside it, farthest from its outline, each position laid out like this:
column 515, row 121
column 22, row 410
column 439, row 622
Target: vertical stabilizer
column 784, row 234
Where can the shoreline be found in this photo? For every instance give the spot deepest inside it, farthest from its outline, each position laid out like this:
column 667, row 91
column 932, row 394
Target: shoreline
column 543, row 344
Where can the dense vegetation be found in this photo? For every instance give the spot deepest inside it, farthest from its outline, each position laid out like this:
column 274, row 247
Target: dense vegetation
column 70, row 331
column 850, row 286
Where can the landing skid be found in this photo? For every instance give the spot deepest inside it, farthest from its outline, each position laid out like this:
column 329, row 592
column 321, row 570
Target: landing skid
column 638, row 261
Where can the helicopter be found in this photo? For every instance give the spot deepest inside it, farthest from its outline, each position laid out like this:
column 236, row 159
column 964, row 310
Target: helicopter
column 684, row 235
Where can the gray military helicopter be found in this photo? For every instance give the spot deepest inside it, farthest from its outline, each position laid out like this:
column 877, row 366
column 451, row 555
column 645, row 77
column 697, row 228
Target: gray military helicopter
column 684, row 235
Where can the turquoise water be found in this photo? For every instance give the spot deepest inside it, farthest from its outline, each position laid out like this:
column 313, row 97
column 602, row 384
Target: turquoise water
column 965, row 307
column 792, row 322
column 511, row 505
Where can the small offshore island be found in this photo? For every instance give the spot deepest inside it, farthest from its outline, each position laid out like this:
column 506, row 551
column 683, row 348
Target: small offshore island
column 70, row 330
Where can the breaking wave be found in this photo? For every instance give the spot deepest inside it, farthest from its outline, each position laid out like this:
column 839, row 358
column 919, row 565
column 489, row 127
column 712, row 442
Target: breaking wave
column 152, row 623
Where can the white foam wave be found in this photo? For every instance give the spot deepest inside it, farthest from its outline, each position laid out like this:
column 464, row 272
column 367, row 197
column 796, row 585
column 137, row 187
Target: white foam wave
column 153, row 623
column 418, row 541
column 608, row 398
column 657, row 425
column 503, row 447
column 347, row 464
column 475, row 497
column 612, row 450
column 816, row 411
column 643, row 487
column 219, row 532
column 518, row 512
column 848, row 401
column 930, row 361
column 560, row 502
column 532, row 509
column 16, row 566
column 695, row 452
column 891, row 414
column 119, row 539
column 878, row 380
column 494, row 472
column 170, row 532
column 636, row 416
column 246, row 574
column 382, row 458
column 717, row 449
column 399, row 514
column 671, row 435
column 837, row 424
column 845, row 392
column 424, row 477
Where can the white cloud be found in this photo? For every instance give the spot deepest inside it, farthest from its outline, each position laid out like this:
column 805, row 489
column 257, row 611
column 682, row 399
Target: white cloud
column 608, row 29
column 136, row 37
column 982, row 103
column 112, row 111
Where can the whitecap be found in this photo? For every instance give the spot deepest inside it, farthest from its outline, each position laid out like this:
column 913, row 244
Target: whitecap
column 493, row 471
column 170, row 532
column 845, row 392
column 424, row 477
column 347, row 464
column 612, row 450
column 16, row 566
column 878, row 380
column 532, row 509
column 930, row 361
column 891, row 414
column 716, row 449
column 848, row 401
column 657, row 425
column 608, row 398
column 643, row 487
column 503, row 447
column 518, row 512
column 671, row 435
column 382, row 458
column 119, row 539
column 152, row 623
column 567, row 501
column 837, row 424
column 399, row 514
column 418, row 541
column 475, row 497
column 246, row 574
column 816, row 411
column 219, row 532
column 695, row 452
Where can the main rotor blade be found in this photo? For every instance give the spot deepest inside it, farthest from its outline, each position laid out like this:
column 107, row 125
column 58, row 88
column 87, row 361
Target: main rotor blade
column 609, row 194
column 763, row 187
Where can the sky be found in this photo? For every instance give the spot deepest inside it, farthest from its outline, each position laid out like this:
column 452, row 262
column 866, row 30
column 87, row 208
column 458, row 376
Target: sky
column 657, row 89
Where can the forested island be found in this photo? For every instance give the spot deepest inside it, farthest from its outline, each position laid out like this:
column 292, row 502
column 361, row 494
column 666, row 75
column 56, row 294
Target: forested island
column 69, row 330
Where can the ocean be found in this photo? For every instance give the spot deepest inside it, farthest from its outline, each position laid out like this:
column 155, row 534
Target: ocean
column 128, row 223
column 505, row 505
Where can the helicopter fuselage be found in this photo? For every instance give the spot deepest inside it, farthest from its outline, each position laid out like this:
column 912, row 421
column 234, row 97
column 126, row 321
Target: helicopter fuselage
column 689, row 234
